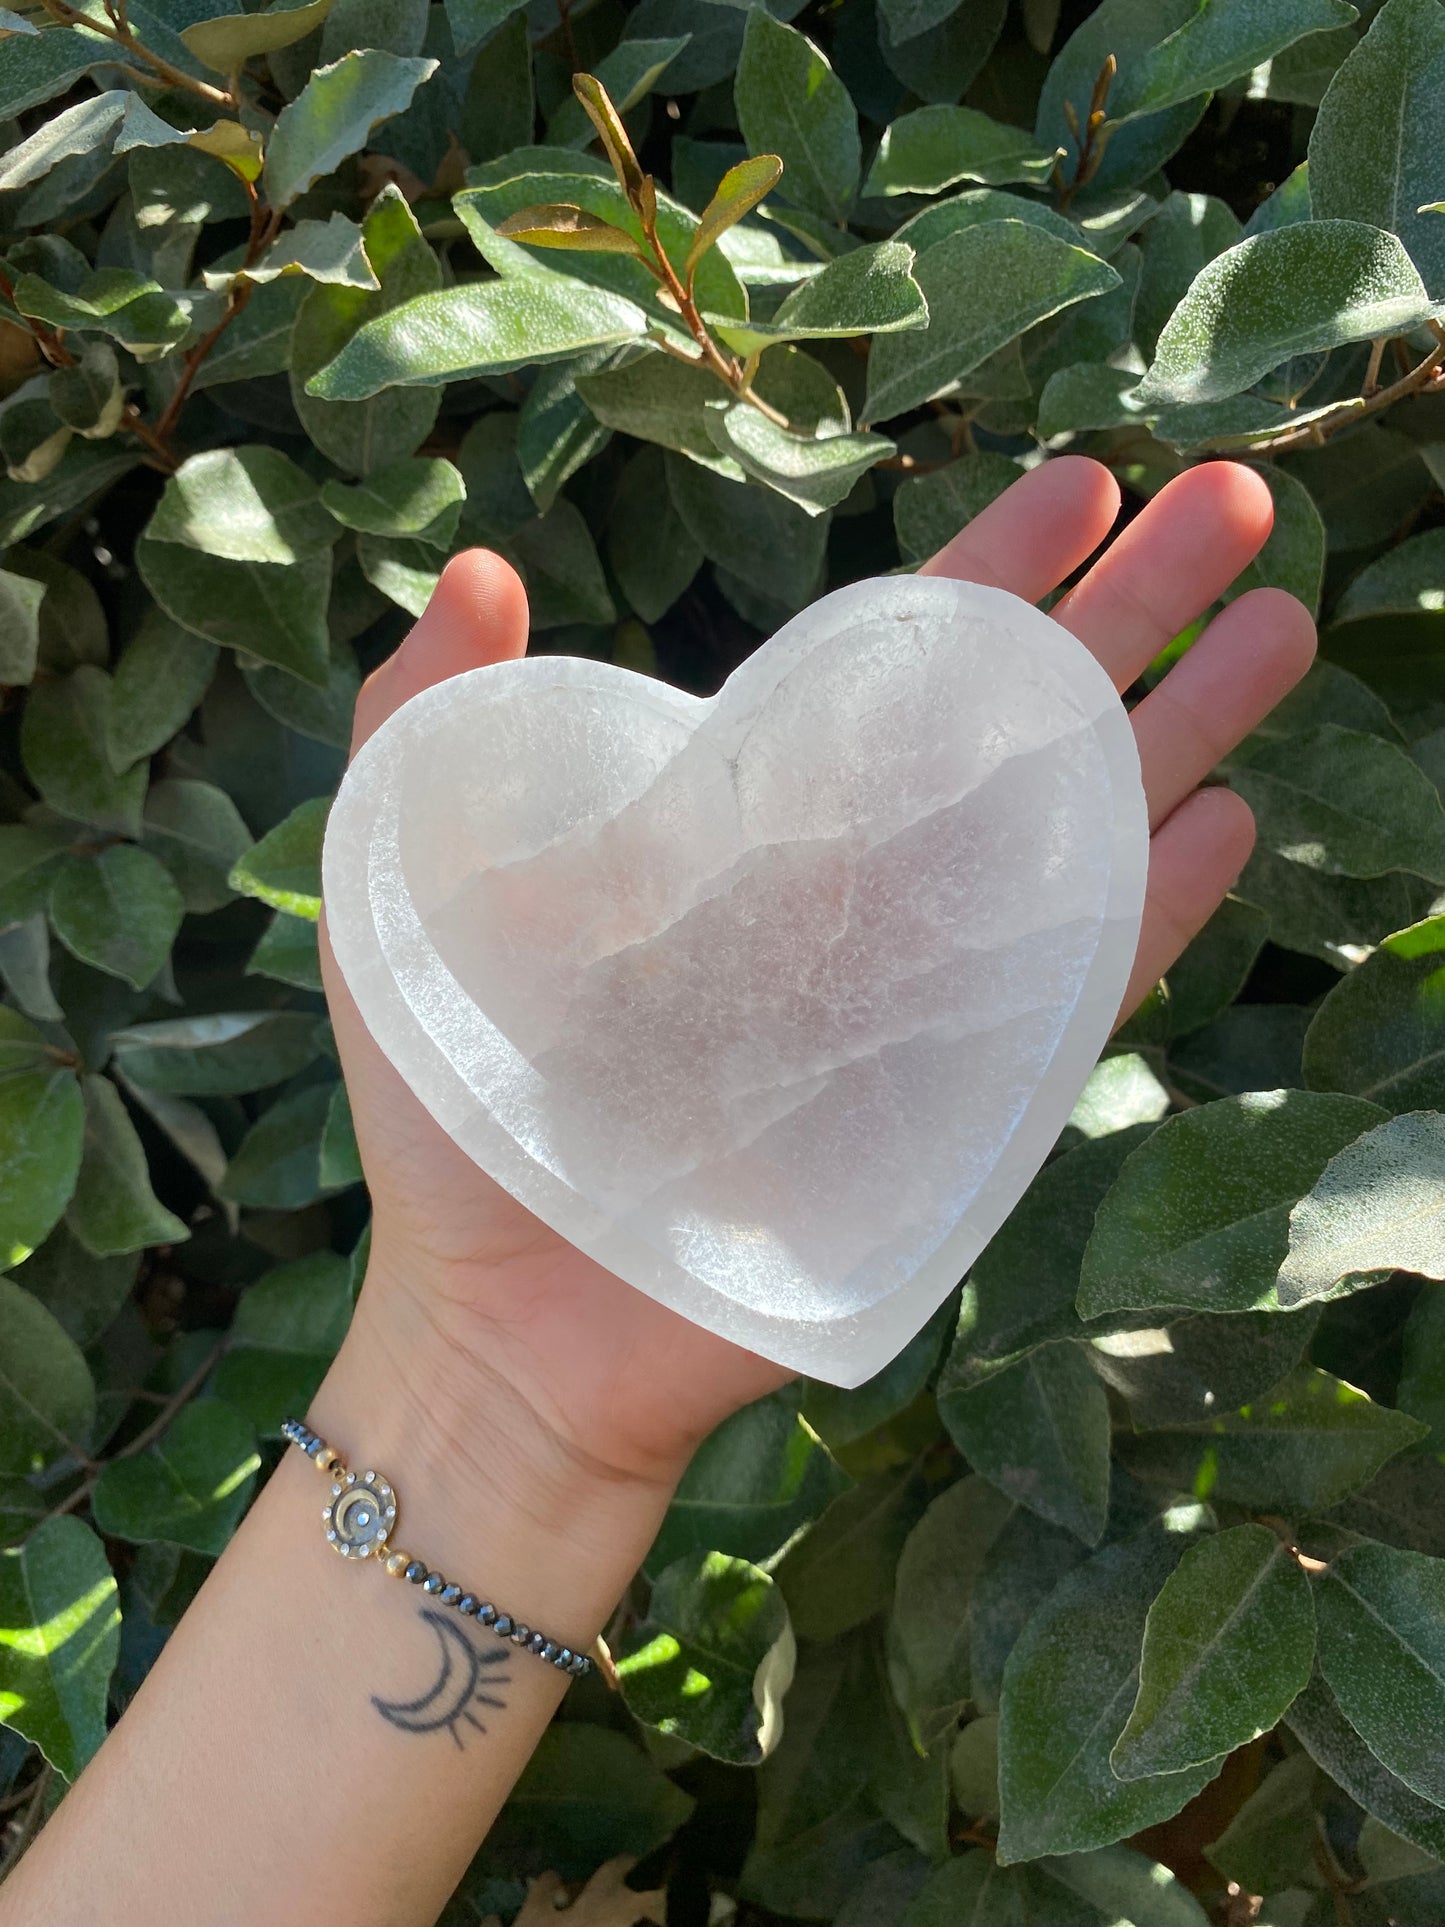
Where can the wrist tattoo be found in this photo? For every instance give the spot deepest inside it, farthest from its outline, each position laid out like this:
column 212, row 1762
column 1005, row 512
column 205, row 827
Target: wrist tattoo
column 467, row 1677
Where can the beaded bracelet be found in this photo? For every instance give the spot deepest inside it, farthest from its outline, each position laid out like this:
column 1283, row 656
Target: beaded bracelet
column 360, row 1518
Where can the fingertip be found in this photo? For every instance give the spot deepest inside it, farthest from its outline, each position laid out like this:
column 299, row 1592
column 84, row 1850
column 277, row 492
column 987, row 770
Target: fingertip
column 477, row 615
column 1289, row 626
column 1088, row 483
column 1237, row 494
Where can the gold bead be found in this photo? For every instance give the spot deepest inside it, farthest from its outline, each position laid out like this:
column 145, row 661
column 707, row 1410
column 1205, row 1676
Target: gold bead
column 329, row 1461
column 397, row 1563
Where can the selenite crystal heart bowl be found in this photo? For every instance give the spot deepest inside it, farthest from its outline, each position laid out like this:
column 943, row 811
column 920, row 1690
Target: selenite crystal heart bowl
column 774, row 1002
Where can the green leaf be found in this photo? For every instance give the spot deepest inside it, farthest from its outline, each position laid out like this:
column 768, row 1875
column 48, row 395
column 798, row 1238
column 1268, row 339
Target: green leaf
column 1346, row 802
column 840, row 1572
column 1199, row 1217
column 245, row 505
column 1215, row 42
column 284, row 868
column 1211, row 972
column 20, row 600
column 275, row 612
column 163, row 673
column 713, row 1658
column 47, row 1396
column 1309, row 1444
column 333, row 116
column 560, row 565
column 648, row 548
column 929, row 1627
column 188, row 1489
column 1405, row 581
column 197, row 833
column 258, row 342
column 1378, row 1206
column 130, row 307
column 1119, row 1886
column 1375, row 139
column 286, row 1331
column 481, row 328
column 816, row 472
column 288, row 952
column 842, row 1415
column 88, row 395
column 417, row 496
column 557, row 434
column 1271, row 1842
column 340, row 1152
column 1121, row 1091
column 230, row 40
column 86, row 469
column 35, row 67
column 331, row 251
column 113, row 1210
column 360, row 436
column 58, row 1601
column 1067, row 1690
column 870, row 290
column 790, row 103
column 660, row 399
column 471, row 21
column 1021, row 1291
column 969, row 1891
column 277, row 1166
column 1422, row 1376
column 84, row 1292
column 586, row 1794
column 1201, row 1365
column 934, row 147
column 738, row 193
column 227, row 1053
column 1327, row 1736
column 1183, row 237
column 1130, row 30
column 1296, row 291
column 1293, row 558
column 929, row 510
column 117, row 909
column 626, row 75
column 984, row 286
column 753, row 1483
column 560, row 225
column 1228, row 1644
column 769, row 542
column 1039, row 1431
column 1337, row 919
column 65, row 746
column 1381, row 1031
column 1381, row 1611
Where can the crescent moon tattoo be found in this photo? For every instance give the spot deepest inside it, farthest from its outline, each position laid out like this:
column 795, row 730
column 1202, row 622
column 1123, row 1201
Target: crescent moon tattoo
column 457, row 1688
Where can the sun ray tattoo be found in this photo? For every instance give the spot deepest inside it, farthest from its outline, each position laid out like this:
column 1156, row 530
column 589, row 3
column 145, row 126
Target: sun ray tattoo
column 458, row 1687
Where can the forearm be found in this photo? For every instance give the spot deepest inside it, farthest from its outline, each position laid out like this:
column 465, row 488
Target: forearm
column 265, row 1771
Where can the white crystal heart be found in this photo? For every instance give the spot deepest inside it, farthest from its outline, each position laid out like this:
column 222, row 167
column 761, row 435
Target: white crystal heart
column 774, row 1002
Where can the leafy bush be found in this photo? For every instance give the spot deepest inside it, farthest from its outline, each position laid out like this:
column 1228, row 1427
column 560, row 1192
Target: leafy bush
column 1135, row 1559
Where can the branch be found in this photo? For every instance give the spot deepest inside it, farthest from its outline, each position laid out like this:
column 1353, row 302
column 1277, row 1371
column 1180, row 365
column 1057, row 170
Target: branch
column 1356, row 409
column 122, row 33
column 1091, row 139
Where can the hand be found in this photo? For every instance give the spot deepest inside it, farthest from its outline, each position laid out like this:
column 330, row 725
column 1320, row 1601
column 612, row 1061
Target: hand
column 583, row 1377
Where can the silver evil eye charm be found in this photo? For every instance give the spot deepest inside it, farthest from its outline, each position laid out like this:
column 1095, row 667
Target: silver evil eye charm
column 360, row 1515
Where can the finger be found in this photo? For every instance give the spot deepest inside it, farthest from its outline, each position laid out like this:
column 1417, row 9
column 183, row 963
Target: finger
column 1195, row 858
column 477, row 614
column 1037, row 532
column 1173, row 560
column 1247, row 660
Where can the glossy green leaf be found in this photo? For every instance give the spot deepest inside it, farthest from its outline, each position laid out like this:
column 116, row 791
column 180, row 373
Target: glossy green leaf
column 713, row 1658
column 163, row 673
column 284, row 868
column 47, row 1395
column 738, row 193
column 870, row 290
column 1378, row 1206
column 117, row 909
column 840, row 1572
column 1039, row 1430
column 285, row 1333
column 1307, row 1445
column 754, row 532
column 245, row 505
column 20, row 600
column 227, row 1053
column 58, row 1603
column 1228, row 1644
column 1380, row 1032
column 1295, row 291
column 790, row 103
column 753, row 1483
column 417, row 496
column 334, row 114
column 1346, row 802
column 1382, row 1654
column 188, row 1489
column 273, row 611
column 113, row 1210
column 1199, row 1218
column 1213, row 43
column 1067, row 1690
column 197, row 833
column 231, row 39
column 277, row 1165
column 984, row 286
column 816, row 472
column 935, row 147
column 1378, row 131
column 1327, row 1736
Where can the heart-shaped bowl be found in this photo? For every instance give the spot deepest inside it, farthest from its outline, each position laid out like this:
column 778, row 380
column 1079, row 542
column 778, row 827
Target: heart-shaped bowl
column 772, row 1002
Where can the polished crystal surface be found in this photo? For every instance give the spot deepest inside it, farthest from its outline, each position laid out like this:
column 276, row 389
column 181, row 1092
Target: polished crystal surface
column 774, row 1002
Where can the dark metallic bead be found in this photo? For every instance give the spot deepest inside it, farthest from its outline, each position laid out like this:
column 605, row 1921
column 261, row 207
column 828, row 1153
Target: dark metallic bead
column 562, row 1658
column 487, row 1615
column 314, row 1447
column 503, row 1625
column 450, row 1595
column 468, row 1603
column 581, row 1665
column 416, row 1572
column 548, row 1649
column 433, row 1582
column 520, row 1634
column 536, row 1642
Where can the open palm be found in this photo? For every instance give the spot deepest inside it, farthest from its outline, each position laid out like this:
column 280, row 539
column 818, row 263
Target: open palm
column 617, row 1381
